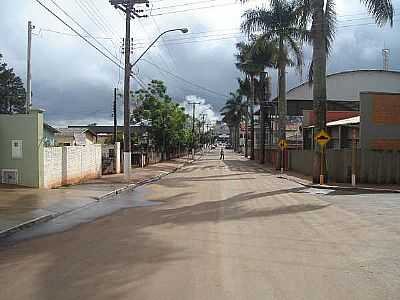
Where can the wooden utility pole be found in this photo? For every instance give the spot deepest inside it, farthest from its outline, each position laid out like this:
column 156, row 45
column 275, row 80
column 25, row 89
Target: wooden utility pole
column 115, row 116
column 127, row 6
column 203, row 116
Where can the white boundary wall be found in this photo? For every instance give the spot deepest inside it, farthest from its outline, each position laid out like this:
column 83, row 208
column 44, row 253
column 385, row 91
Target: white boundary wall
column 71, row 165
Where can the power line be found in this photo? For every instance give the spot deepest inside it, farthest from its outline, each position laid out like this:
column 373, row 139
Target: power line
column 194, row 8
column 148, row 42
column 80, row 26
column 184, row 4
column 80, row 35
column 185, row 80
column 87, row 11
column 166, row 47
column 70, row 34
column 102, row 18
column 195, row 36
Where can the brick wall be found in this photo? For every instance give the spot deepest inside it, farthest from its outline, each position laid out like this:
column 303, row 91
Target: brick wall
column 71, row 164
column 52, row 167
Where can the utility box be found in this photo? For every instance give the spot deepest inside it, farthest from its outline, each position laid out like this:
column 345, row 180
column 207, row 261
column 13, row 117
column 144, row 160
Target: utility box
column 9, row 176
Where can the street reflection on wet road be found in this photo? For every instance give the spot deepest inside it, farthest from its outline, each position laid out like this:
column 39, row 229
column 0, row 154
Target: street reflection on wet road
column 86, row 214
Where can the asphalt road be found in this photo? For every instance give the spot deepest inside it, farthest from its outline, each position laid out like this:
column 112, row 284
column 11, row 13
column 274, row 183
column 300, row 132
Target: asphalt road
column 221, row 230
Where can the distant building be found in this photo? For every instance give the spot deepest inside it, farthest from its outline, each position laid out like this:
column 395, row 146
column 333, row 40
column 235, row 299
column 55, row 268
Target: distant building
column 221, row 128
column 49, row 133
column 343, row 100
column 75, row 137
column 105, row 133
column 343, row 90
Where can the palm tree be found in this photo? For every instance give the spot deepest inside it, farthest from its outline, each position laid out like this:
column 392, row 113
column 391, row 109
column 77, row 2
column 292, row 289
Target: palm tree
column 233, row 112
column 252, row 59
column 278, row 25
column 322, row 15
column 244, row 90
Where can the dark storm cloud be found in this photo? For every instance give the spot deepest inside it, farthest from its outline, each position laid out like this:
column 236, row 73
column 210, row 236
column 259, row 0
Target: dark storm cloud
column 74, row 84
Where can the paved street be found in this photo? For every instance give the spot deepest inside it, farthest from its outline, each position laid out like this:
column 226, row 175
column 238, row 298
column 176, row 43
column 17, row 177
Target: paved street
column 21, row 205
column 220, row 230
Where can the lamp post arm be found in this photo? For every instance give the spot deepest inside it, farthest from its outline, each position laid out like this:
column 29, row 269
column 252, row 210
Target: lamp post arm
column 147, row 49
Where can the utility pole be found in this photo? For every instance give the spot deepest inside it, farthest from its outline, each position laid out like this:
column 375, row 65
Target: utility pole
column 29, row 69
column 115, row 116
column 203, row 116
column 127, row 6
column 127, row 127
column 193, row 120
column 386, row 54
column 208, row 139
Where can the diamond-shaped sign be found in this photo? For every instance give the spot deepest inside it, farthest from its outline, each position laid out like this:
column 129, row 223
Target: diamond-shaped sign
column 322, row 137
column 282, row 144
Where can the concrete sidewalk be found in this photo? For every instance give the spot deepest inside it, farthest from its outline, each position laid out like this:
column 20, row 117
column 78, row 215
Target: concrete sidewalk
column 307, row 181
column 22, row 207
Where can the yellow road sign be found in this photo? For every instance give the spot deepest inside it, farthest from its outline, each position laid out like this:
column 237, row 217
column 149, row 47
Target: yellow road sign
column 322, row 137
column 282, row 144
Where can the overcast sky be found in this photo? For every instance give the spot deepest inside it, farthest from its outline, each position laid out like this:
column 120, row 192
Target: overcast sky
column 74, row 83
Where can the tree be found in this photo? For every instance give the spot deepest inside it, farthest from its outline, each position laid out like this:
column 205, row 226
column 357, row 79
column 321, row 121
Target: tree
column 322, row 15
column 233, row 112
column 12, row 91
column 168, row 121
column 244, row 90
column 252, row 58
column 279, row 26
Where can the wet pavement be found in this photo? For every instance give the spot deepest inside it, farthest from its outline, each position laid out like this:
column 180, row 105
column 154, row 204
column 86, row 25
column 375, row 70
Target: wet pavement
column 82, row 215
column 20, row 206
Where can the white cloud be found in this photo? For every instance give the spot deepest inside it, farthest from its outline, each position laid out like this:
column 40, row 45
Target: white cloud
column 202, row 108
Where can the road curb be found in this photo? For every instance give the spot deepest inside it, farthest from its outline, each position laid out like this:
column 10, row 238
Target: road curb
column 42, row 219
column 132, row 186
column 341, row 188
column 129, row 187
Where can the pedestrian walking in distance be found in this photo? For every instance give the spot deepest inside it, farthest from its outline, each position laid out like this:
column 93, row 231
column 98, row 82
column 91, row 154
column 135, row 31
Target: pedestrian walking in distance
column 222, row 157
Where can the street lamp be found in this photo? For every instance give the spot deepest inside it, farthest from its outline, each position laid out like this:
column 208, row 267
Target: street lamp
column 128, row 74
column 183, row 30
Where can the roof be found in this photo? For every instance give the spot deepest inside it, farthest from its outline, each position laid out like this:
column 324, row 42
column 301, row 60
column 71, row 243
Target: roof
column 72, row 131
column 348, row 72
column 348, row 121
column 346, row 86
column 109, row 129
column 50, row 128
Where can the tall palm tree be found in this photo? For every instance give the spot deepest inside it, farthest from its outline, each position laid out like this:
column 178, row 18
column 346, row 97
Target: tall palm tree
column 322, row 15
column 233, row 113
column 279, row 25
column 244, row 64
column 244, row 90
column 252, row 59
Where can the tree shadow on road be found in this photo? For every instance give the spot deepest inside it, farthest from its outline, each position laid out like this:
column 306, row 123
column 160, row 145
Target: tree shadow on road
column 108, row 259
column 244, row 166
column 231, row 208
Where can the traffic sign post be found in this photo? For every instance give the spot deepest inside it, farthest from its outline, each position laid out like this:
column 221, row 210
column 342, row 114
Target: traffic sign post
column 322, row 138
column 282, row 145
